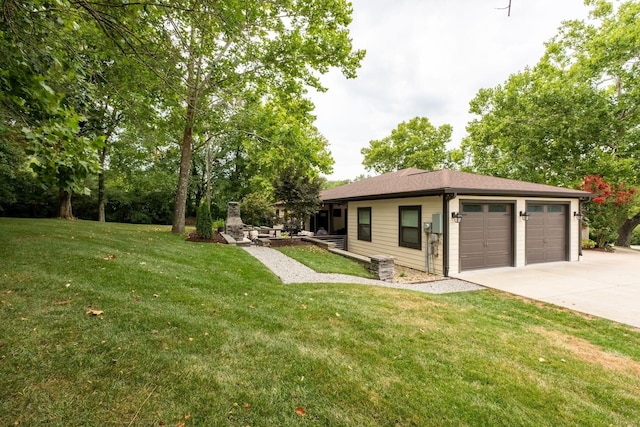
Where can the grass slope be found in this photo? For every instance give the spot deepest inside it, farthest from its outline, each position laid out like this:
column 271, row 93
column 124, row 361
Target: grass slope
column 201, row 334
column 324, row 261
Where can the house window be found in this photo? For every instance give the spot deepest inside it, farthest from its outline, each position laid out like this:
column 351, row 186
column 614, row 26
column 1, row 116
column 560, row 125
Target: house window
column 410, row 232
column 364, row 224
column 497, row 208
column 466, row 208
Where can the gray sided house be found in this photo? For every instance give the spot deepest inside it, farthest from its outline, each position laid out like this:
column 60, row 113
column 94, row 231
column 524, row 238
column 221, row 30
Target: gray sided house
column 446, row 222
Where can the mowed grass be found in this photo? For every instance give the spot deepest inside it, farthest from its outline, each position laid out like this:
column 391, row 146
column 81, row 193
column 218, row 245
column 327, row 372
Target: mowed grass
column 324, row 261
column 201, row 334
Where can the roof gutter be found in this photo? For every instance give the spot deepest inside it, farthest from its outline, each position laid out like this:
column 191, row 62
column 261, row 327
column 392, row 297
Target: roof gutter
column 470, row 192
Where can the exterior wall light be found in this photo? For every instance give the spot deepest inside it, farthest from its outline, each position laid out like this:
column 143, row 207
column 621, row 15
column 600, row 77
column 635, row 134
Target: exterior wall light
column 457, row 217
column 525, row 215
column 578, row 215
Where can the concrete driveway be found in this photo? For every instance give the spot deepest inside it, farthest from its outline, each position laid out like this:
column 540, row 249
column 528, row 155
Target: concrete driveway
column 604, row 284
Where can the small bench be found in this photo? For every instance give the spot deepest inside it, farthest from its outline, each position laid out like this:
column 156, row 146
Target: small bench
column 360, row 258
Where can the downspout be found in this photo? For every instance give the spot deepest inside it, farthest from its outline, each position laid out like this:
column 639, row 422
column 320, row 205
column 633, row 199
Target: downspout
column 446, row 197
column 580, row 202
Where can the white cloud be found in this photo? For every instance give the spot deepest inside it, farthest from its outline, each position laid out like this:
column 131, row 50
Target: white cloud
column 429, row 58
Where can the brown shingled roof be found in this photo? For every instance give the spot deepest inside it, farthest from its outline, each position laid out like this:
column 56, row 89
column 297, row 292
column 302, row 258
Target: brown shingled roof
column 417, row 182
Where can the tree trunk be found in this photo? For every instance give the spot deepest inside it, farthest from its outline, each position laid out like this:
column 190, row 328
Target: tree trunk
column 625, row 231
column 103, row 156
column 185, row 170
column 193, row 81
column 64, row 205
column 207, row 172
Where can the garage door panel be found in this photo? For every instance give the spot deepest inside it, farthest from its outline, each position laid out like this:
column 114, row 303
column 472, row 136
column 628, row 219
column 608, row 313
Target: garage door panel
column 486, row 236
column 498, row 260
column 473, row 221
column 546, row 234
column 498, row 234
column 535, row 255
column 472, row 260
column 476, row 234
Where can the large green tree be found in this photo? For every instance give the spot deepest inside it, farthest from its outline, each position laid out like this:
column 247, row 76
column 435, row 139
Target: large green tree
column 300, row 193
column 576, row 113
column 224, row 80
column 227, row 47
column 67, row 68
column 41, row 83
column 416, row 143
column 252, row 142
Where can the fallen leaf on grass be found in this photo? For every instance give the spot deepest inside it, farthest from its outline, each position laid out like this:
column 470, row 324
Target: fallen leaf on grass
column 304, row 307
column 300, row 411
column 94, row 312
column 183, row 422
column 109, row 257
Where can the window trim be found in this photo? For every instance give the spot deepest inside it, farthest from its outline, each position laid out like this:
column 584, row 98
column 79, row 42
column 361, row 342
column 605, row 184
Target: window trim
column 360, row 234
column 402, row 243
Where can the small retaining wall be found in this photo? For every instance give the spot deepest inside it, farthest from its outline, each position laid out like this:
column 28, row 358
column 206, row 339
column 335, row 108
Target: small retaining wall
column 276, row 242
column 381, row 266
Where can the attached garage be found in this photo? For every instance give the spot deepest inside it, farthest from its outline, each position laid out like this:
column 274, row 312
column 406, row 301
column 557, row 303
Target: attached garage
column 546, row 233
column 464, row 221
column 486, row 235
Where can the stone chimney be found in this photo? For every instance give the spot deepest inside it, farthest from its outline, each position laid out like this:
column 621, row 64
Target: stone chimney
column 234, row 222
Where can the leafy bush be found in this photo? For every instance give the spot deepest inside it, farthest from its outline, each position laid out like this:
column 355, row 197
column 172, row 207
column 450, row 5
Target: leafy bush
column 588, row 244
column 608, row 209
column 635, row 236
column 204, row 223
column 218, row 224
column 256, row 209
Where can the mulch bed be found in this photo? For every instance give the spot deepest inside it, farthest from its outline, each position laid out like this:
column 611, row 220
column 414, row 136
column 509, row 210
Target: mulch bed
column 217, row 238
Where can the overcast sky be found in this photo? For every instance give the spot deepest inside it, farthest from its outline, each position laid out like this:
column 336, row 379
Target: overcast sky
column 429, row 58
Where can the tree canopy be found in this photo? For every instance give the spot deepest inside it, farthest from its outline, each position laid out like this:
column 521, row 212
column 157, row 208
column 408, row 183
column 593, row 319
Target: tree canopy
column 211, row 93
column 416, row 143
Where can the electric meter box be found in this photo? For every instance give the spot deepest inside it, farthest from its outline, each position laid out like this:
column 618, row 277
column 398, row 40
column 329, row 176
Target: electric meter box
column 436, row 223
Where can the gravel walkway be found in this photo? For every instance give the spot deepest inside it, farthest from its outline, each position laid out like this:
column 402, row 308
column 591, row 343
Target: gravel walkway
column 291, row 271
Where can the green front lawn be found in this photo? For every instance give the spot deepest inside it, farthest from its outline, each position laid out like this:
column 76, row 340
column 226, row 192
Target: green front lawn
column 202, row 334
column 324, row 261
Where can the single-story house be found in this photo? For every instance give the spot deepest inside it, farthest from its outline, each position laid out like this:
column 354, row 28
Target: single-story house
column 445, row 222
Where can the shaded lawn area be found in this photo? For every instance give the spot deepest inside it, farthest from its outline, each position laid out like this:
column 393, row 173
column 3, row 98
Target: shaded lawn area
column 202, row 334
column 324, row 261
